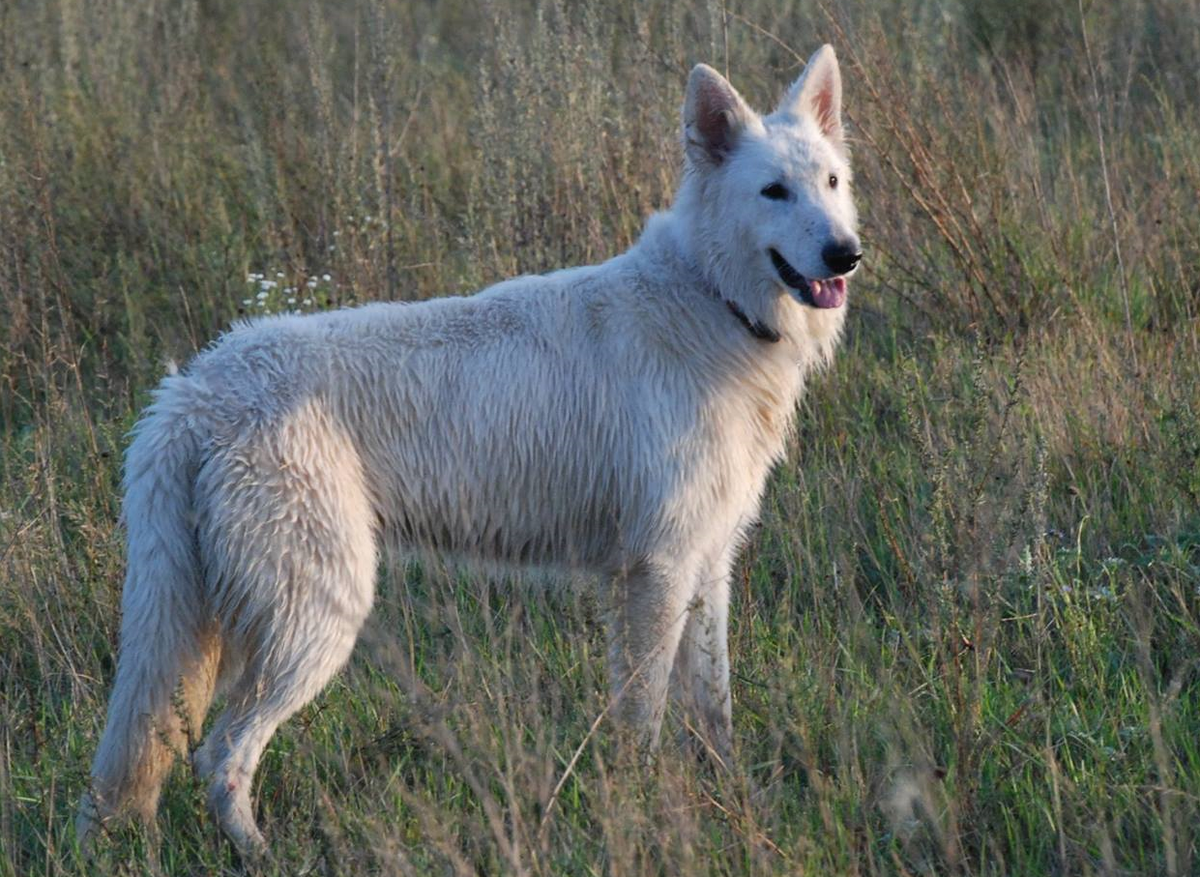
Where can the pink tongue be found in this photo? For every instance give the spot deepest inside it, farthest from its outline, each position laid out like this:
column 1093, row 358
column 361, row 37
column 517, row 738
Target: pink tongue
column 828, row 293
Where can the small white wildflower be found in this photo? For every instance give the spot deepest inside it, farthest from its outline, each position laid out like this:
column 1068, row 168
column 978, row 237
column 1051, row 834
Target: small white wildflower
column 312, row 283
column 337, row 234
column 326, row 278
column 245, row 302
column 332, row 248
column 262, row 295
column 291, row 301
column 279, row 274
column 308, row 302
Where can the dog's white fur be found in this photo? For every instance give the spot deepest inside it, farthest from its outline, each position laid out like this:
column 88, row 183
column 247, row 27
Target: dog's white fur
column 617, row 418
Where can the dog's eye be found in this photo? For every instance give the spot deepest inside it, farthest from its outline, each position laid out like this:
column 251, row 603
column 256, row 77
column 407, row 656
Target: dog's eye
column 833, row 181
column 775, row 191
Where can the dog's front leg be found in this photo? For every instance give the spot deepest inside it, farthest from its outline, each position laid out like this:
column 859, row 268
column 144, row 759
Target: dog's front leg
column 649, row 609
column 701, row 680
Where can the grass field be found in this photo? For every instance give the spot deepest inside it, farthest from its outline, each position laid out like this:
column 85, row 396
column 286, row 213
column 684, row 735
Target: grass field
column 966, row 636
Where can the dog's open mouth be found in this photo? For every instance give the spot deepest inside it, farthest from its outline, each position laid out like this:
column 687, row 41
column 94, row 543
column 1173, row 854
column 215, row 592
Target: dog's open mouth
column 829, row 293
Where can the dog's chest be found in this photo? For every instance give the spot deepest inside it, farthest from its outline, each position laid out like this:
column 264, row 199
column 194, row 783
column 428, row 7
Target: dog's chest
column 744, row 430
column 759, row 426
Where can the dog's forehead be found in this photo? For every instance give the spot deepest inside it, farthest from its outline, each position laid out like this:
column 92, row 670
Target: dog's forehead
column 796, row 146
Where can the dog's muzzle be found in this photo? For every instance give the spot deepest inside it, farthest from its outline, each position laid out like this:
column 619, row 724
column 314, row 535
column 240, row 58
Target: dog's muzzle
column 828, row 293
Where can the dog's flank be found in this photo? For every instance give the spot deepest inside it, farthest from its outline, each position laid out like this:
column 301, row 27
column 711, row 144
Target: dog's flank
column 620, row 419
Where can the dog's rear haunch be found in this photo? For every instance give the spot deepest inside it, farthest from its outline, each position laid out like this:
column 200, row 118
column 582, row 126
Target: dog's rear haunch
column 619, row 418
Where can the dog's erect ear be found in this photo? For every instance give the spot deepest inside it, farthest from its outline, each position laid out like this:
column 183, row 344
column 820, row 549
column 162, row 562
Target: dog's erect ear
column 714, row 115
column 818, row 93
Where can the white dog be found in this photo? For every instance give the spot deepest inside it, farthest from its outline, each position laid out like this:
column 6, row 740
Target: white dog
column 620, row 418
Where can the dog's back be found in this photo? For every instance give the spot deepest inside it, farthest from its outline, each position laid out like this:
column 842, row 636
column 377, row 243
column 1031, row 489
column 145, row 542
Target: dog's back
column 557, row 419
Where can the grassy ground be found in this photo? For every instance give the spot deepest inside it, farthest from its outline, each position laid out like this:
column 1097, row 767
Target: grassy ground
column 966, row 634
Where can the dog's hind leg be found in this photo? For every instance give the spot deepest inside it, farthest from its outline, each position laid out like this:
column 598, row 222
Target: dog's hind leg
column 300, row 589
column 304, row 647
column 298, row 666
column 648, row 613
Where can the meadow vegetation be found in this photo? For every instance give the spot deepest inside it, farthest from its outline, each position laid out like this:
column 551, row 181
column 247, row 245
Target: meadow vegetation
column 966, row 634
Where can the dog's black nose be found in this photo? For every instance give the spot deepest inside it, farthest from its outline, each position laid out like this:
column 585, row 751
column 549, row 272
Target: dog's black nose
column 841, row 258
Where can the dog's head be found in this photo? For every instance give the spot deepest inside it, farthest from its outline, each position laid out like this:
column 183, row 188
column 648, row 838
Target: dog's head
column 772, row 207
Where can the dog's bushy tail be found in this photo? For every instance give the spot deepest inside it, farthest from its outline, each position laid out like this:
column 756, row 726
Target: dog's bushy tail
column 168, row 654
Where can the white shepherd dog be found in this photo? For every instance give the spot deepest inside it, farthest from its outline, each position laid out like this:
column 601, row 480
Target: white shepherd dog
column 620, row 419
